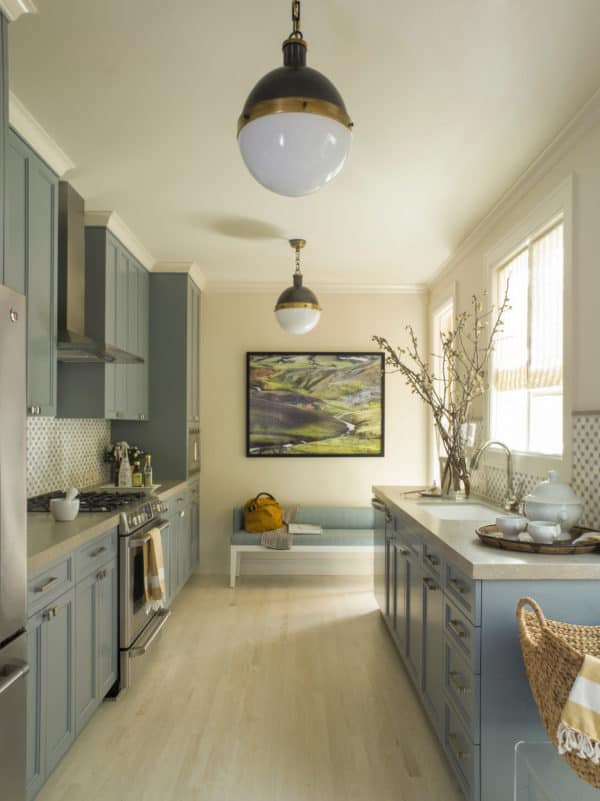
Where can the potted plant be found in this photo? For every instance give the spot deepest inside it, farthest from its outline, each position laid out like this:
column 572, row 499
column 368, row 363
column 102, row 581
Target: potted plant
column 450, row 382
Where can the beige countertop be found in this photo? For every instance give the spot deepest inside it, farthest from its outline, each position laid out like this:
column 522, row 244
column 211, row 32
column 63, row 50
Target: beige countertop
column 461, row 545
column 48, row 540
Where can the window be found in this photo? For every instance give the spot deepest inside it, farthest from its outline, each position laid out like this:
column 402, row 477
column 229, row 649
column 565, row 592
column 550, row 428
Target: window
column 527, row 373
column 442, row 323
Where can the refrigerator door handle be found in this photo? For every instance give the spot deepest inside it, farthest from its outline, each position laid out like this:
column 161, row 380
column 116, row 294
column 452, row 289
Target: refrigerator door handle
column 11, row 674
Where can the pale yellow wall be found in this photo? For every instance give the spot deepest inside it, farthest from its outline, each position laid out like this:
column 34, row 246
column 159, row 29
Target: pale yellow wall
column 583, row 163
column 235, row 323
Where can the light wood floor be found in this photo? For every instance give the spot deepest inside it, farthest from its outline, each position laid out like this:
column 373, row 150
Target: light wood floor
column 285, row 689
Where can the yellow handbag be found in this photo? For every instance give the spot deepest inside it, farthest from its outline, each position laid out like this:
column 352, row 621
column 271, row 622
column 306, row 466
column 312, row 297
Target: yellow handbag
column 262, row 513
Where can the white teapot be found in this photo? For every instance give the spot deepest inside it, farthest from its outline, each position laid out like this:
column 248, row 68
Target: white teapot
column 555, row 502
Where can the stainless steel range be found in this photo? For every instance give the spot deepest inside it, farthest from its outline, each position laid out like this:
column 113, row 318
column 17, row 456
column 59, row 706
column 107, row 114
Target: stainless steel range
column 139, row 623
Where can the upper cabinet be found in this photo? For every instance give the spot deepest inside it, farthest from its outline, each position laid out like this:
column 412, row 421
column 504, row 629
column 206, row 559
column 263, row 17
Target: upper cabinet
column 171, row 435
column 30, row 265
column 116, row 312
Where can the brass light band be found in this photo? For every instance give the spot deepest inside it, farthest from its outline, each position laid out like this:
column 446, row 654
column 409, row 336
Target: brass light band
column 298, row 305
column 305, row 105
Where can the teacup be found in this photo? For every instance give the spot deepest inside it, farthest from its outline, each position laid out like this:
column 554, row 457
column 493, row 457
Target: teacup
column 543, row 531
column 511, row 525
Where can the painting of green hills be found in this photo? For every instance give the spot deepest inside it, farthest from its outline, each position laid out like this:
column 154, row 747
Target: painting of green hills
column 315, row 404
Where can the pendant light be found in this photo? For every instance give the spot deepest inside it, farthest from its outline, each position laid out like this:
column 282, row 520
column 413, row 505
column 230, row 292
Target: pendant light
column 294, row 131
column 297, row 308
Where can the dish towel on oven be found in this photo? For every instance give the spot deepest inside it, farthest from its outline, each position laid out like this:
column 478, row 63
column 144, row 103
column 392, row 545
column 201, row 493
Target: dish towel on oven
column 154, row 570
column 280, row 539
column 579, row 727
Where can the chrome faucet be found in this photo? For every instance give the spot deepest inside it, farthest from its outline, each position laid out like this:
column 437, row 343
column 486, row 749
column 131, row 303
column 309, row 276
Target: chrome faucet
column 511, row 503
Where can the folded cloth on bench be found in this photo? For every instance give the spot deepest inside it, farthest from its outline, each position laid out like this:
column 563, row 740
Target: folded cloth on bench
column 280, row 539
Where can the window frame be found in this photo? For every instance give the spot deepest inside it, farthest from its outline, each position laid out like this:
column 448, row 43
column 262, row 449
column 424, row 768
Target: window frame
column 557, row 206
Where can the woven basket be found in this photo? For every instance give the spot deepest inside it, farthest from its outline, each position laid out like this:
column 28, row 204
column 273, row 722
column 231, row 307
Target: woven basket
column 553, row 653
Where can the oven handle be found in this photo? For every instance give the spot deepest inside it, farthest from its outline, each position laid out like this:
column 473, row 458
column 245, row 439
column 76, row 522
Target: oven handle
column 139, row 650
column 137, row 542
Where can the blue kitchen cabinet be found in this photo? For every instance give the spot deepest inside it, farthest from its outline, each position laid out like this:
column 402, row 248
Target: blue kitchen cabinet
column 31, row 264
column 116, row 312
column 96, row 639
column 432, row 673
column 51, row 708
column 194, row 496
column 167, row 546
column 193, row 355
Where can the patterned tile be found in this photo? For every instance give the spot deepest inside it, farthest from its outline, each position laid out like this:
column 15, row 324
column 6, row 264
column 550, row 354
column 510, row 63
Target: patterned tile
column 586, row 466
column 65, row 453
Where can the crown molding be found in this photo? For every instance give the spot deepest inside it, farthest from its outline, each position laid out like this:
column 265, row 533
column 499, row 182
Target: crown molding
column 586, row 118
column 12, row 9
column 114, row 223
column 189, row 267
column 26, row 125
column 256, row 287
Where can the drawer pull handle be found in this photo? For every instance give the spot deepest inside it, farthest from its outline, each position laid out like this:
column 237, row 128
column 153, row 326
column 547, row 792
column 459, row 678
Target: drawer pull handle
column 182, row 513
column 456, row 628
column 50, row 583
column 98, row 551
column 454, row 681
column 101, row 574
column 432, row 559
column 458, row 586
column 51, row 613
column 454, row 745
column 430, row 583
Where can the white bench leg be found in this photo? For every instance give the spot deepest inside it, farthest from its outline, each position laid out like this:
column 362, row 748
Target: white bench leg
column 238, row 565
column 233, row 567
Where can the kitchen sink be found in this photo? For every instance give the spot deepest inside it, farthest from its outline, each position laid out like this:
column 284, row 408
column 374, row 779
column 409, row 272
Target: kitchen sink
column 460, row 511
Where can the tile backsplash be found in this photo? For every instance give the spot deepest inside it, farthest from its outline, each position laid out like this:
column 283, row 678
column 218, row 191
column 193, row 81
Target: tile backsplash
column 63, row 453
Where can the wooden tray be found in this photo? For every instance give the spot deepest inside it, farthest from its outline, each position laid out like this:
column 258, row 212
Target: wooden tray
column 492, row 536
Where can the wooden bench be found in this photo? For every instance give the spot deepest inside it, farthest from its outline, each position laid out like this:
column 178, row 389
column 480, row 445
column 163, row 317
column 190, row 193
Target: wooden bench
column 346, row 529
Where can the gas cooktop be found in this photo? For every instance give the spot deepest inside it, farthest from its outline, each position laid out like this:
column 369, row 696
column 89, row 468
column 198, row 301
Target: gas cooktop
column 89, row 501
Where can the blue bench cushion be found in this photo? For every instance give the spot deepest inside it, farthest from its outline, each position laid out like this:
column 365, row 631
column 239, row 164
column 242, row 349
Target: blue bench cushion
column 330, row 536
column 329, row 517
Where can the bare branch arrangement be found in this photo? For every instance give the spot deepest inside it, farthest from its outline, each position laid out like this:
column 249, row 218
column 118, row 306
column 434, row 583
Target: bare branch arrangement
column 449, row 382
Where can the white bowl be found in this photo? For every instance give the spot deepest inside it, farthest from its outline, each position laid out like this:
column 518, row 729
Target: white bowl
column 63, row 510
column 511, row 525
column 543, row 531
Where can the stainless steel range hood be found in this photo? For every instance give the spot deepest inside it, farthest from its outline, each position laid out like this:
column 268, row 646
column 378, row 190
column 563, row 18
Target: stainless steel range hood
column 74, row 345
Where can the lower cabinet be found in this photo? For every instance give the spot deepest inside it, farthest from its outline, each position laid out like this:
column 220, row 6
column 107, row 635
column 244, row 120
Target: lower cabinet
column 181, row 540
column 51, row 696
column 167, row 546
column 432, row 674
column 96, row 640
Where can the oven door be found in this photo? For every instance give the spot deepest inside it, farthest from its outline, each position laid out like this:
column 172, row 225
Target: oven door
column 135, row 610
column 193, row 451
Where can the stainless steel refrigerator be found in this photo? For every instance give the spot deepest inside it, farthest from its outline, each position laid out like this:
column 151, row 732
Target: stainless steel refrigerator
column 13, row 548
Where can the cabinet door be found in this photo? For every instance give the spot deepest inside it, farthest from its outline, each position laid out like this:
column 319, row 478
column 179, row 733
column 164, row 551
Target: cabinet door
column 86, row 676
column 120, row 301
column 35, row 706
column 132, row 345
column 110, row 333
column 415, row 616
column 401, row 596
column 42, row 224
column 107, row 622
column 433, row 650
column 58, row 655
column 17, row 167
column 195, row 534
column 193, row 354
column 183, row 547
column 143, row 342
column 3, row 133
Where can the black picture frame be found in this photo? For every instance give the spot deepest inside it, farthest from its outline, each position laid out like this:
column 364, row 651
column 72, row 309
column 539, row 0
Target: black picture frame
column 303, row 390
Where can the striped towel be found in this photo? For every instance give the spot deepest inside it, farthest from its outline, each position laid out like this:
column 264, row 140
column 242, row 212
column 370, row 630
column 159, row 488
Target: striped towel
column 579, row 727
column 154, row 570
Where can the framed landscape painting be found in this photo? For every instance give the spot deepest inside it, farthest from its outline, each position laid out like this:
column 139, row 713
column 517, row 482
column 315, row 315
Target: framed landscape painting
column 315, row 404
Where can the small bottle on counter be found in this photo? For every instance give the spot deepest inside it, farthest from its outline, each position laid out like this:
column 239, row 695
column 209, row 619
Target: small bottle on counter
column 148, row 471
column 117, row 464
column 136, row 477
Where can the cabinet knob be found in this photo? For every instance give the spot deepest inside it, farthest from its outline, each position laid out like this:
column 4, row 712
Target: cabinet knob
column 456, row 628
column 182, row 513
column 430, row 583
column 141, row 416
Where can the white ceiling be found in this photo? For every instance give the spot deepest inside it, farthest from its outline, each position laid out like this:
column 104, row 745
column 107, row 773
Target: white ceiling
column 451, row 100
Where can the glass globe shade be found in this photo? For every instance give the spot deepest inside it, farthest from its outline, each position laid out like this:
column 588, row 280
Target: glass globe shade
column 298, row 320
column 294, row 153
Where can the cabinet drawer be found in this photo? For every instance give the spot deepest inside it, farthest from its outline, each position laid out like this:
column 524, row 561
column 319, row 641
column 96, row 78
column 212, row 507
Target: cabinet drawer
column 178, row 501
column 465, row 591
column 461, row 633
column 461, row 686
column 408, row 531
column 432, row 560
column 49, row 583
column 462, row 754
column 96, row 553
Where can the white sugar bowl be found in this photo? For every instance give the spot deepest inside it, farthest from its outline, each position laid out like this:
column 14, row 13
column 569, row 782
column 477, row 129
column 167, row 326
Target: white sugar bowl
column 555, row 502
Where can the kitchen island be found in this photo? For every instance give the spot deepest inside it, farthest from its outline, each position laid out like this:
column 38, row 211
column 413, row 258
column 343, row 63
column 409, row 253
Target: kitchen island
column 449, row 603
